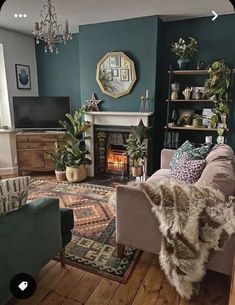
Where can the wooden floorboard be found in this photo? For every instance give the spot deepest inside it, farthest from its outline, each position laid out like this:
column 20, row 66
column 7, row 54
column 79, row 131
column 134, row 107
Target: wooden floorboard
column 151, row 285
column 147, row 285
column 85, row 287
column 126, row 293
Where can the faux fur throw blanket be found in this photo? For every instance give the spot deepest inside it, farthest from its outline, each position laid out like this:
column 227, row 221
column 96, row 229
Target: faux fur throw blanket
column 194, row 222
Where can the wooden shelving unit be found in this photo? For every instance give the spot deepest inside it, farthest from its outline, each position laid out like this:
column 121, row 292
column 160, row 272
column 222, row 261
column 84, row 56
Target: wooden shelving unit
column 175, row 131
column 192, row 101
column 192, row 128
column 191, row 72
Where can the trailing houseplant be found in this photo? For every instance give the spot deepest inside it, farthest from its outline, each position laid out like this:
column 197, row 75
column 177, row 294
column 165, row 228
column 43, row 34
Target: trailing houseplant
column 58, row 157
column 217, row 89
column 76, row 152
column 184, row 51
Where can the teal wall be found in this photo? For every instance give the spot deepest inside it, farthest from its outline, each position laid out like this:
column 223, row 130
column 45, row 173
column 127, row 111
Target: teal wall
column 145, row 40
column 58, row 74
column 216, row 41
column 137, row 38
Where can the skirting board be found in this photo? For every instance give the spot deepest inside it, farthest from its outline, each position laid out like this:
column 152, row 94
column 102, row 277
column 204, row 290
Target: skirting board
column 9, row 170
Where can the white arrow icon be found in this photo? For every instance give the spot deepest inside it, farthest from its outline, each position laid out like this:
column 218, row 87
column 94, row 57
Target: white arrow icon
column 215, row 15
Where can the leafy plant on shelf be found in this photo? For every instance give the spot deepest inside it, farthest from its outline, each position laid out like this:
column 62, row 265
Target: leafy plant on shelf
column 58, row 157
column 217, row 88
column 74, row 138
column 182, row 49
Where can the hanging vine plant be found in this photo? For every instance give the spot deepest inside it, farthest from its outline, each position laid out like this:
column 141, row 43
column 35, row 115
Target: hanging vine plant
column 217, row 88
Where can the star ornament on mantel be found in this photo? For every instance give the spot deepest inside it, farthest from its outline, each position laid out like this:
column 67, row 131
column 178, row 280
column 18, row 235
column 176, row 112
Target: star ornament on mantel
column 92, row 104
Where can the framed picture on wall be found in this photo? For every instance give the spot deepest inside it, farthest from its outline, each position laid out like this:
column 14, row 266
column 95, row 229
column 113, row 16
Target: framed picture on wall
column 115, row 72
column 124, row 75
column 114, row 61
column 23, row 79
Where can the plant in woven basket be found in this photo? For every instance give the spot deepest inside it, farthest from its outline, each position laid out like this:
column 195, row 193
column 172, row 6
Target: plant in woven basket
column 76, row 152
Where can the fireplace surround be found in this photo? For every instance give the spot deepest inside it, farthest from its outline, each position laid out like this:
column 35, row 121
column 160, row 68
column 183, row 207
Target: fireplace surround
column 105, row 123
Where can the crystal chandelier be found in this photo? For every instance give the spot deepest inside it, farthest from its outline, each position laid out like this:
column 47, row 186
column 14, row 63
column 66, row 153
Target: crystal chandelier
column 49, row 31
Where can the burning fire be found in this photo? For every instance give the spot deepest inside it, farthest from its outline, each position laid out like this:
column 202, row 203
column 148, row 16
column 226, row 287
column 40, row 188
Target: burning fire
column 116, row 159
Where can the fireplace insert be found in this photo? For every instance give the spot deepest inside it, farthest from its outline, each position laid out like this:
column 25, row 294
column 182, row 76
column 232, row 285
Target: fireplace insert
column 110, row 154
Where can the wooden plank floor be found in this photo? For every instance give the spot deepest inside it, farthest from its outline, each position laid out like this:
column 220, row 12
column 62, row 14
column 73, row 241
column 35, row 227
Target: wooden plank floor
column 147, row 285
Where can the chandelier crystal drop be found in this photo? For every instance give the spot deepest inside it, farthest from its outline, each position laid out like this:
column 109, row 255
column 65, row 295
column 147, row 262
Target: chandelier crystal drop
column 49, row 31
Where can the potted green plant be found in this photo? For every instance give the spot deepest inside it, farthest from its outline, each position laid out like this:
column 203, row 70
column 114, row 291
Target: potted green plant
column 74, row 138
column 197, row 120
column 58, row 157
column 136, row 149
column 184, row 51
column 217, row 89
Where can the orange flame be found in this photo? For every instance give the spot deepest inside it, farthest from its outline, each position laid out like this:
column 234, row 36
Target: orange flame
column 116, row 159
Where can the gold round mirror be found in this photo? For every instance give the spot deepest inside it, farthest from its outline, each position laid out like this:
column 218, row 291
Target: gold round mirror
column 116, row 74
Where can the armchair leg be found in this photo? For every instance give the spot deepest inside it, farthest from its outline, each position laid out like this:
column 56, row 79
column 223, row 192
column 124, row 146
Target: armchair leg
column 120, row 250
column 62, row 257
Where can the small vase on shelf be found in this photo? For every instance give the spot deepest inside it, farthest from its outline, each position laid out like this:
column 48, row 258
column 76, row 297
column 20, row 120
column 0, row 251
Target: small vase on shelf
column 183, row 63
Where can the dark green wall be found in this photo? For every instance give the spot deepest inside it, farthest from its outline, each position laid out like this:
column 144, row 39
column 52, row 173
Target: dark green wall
column 216, row 41
column 147, row 41
column 58, row 74
column 137, row 38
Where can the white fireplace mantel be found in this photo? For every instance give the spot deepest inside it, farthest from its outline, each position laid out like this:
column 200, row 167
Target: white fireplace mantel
column 111, row 118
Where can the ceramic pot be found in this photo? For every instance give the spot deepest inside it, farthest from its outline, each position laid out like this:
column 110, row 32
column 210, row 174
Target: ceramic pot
column 220, row 140
column 136, row 171
column 76, row 174
column 187, row 93
column 183, row 63
column 60, row 175
column 197, row 122
column 187, row 120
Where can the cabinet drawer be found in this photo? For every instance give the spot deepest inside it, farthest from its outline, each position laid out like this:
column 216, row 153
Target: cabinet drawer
column 36, row 138
column 48, row 146
column 29, row 145
column 31, row 159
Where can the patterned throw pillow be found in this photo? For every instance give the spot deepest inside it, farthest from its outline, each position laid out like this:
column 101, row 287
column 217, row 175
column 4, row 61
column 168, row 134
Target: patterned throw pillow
column 188, row 170
column 188, row 148
column 200, row 152
column 184, row 148
column 13, row 193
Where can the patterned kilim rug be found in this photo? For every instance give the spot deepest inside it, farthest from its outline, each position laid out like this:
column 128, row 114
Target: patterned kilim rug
column 93, row 246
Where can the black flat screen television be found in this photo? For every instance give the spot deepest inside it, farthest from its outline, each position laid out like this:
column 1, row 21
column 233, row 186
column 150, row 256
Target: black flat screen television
column 41, row 113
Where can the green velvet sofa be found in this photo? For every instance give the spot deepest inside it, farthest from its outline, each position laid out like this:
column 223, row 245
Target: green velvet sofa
column 30, row 237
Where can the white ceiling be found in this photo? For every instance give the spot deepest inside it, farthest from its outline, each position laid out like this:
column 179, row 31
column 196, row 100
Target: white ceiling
column 94, row 11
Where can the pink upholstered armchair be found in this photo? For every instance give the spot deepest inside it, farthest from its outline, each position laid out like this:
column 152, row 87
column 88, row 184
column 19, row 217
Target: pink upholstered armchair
column 137, row 226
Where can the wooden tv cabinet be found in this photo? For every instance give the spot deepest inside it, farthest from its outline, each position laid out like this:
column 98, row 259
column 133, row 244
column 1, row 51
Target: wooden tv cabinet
column 33, row 148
